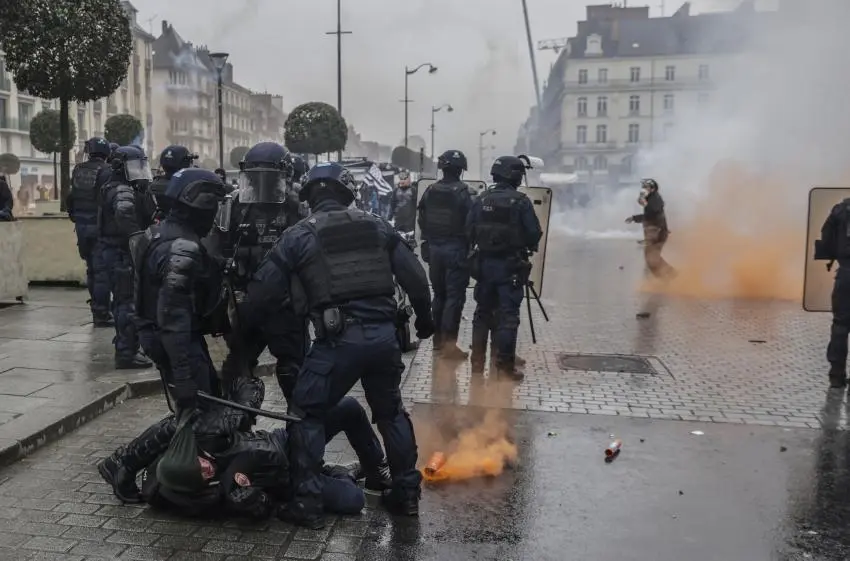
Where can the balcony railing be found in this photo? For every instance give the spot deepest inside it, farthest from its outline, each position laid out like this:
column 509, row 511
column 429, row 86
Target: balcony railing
column 645, row 83
column 590, row 146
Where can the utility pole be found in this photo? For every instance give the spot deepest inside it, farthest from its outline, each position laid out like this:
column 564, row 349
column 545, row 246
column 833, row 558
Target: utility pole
column 339, row 33
column 531, row 53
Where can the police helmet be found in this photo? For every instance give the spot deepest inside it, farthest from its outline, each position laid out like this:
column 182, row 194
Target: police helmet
column 329, row 175
column 508, row 169
column 299, row 168
column 452, row 159
column 196, row 188
column 649, row 184
column 112, row 148
column 264, row 173
column 131, row 160
column 176, row 157
column 97, row 146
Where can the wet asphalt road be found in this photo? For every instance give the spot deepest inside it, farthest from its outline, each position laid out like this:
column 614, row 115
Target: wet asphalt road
column 734, row 493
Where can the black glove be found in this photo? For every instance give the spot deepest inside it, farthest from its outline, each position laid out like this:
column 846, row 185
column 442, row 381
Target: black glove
column 424, row 325
column 185, row 395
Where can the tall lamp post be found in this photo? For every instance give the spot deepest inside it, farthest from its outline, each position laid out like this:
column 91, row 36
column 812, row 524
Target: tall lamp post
column 407, row 73
column 434, row 111
column 219, row 60
column 339, row 33
column 481, row 136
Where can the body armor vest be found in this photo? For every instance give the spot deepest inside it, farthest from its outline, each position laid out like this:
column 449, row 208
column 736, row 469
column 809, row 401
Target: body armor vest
column 500, row 228
column 210, row 313
column 444, row 214
column 353, row 261
column 84, row 187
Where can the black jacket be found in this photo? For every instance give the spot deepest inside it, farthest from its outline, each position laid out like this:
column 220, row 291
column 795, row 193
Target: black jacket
column 653, row 213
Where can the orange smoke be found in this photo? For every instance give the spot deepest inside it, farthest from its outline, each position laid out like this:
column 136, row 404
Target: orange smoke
column 746, row 241
column 480, row 451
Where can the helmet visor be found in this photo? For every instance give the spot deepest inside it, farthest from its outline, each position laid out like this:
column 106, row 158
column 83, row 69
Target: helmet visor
column 262, row 185
column 138, row 170
column 225, row 211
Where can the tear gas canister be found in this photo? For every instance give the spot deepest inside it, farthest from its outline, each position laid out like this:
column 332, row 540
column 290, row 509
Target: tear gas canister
column 613, row 449
column 435, row 464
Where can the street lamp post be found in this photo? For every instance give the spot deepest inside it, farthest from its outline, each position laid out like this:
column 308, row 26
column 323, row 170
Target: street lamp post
column 481, row 136
column 339, row 33
column 434, row 111
column 407, row 73
column 219, row 60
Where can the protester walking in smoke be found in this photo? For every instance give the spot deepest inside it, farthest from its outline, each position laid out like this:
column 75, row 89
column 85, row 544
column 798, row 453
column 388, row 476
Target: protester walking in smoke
column 655, row 232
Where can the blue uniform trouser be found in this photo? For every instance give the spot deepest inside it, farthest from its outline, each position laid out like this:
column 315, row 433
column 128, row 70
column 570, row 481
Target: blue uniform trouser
column 97, row 276
column 203, row 369
column 119, row 268
column 448, row 270
column 498, row 296
column 369, row 353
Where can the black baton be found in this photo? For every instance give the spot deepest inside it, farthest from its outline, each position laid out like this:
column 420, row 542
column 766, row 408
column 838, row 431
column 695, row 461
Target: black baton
column 261, row 412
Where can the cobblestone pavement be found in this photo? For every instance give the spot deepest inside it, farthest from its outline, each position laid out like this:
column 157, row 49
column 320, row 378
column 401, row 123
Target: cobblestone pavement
column 724, row 361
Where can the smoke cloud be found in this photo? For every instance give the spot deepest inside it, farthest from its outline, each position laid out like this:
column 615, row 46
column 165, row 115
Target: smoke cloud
column 736, row 172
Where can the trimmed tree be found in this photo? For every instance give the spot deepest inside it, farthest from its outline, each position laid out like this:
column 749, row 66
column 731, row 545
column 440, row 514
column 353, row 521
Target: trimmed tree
column 237, row 155
column 209, row 164
column 46, row 136
column 71, row 50
column 9, row 164
column 122, row 129
column 315, row 128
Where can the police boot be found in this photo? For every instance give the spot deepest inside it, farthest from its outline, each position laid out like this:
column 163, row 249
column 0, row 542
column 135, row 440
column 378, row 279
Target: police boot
column 450, row 350
column 120, row 469
column 507, row 368
column 837, row 376
column 437, row 341
column 519, row 362
column 102, row 320
column 137, row 362
column 402, row 502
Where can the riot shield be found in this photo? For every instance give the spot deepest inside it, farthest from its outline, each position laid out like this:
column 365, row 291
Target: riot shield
column 817, row 281
column 541, row 198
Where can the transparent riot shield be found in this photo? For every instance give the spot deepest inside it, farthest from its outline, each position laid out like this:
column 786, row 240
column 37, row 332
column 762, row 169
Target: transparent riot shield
column 541, row 198
column 817, row 281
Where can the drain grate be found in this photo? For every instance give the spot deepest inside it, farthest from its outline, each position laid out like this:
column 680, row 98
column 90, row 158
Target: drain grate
column 629, row 364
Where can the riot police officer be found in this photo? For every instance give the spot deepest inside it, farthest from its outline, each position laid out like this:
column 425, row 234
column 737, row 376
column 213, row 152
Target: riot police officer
column 82, row 205
column 834, row 245
column 442, row 220
column 113, row 146
column 178, row 287
column 504, row 229
column 338, row 266
column 125, row 209
column 251, row 222
column 299, row 168
column 171, row 160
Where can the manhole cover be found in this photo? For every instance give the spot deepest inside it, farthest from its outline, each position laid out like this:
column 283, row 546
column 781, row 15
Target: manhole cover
column 607, row 363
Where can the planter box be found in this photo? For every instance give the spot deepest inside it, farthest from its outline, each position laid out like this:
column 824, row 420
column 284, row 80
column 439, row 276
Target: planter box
column 50, row 250
column 13, row 280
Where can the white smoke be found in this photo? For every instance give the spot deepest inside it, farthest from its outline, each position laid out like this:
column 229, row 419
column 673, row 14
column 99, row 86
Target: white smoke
column 779, row 108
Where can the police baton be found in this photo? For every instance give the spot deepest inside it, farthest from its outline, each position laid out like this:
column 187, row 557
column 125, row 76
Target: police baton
column 247, row 409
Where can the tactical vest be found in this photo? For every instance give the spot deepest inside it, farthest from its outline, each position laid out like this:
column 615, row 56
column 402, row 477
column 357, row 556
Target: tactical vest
column 84, row 187
column 107, row 225
column 500, row 227
column 444, row 213
column 353, row 261
column 210, row 300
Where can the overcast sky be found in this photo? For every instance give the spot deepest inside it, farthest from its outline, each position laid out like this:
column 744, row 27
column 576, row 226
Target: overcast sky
column 479, row 46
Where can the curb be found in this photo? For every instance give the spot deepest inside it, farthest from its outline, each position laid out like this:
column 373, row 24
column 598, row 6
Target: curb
column 12, row 451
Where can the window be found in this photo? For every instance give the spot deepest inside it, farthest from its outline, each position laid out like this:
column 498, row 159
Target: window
column 703, row 98
column 581, row 134
column 626, row 165
column 634, row 74
column 24, row 113
column 581, row 164
column 703, row 72
column 634, row 105
column 582, row 107
column 600, row 163
column 81, row 122
column 670, row 73
column 634, row 133
column 669, row 103
column 601, row 134
column 602, row 75
column 602, row 106
column 582, row 76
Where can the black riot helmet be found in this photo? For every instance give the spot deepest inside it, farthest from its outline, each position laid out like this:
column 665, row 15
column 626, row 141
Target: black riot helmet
column 649, row 184
column 508, row 169
column 330, row 178
column 131, row 162
column 196, row 188
column 264, row 174
column 175, row 158
column 112, row 148
column 97, row 148
column 452, row 162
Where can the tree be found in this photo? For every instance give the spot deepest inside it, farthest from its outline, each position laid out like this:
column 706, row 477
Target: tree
column 71, row 50
column 46, row 136
column 122, row 129
column 209, row 164
column 237, row 155
column 9, row 164
column 315, row 128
